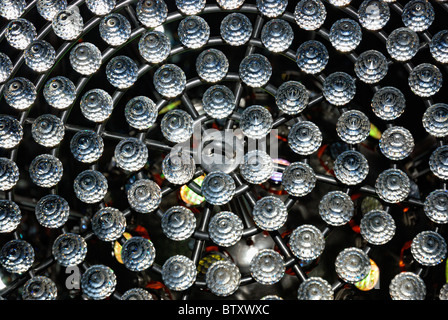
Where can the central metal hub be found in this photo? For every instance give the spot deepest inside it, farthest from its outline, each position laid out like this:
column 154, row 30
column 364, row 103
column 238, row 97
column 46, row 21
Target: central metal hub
column 219, row 151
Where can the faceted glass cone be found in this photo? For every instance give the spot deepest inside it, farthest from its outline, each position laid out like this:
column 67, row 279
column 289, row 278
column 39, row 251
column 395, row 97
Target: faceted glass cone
column 98, row 282
column 17, row 256
column 307, row 242
column 418, row 15
column 69, row 249
column 39, row 288
column 9, row 174
column 292, row 97
column 115, row 29
column 59, row 92
column 90, row 186
column 169, row 80
column 177, row 126
column 425, row 80
column 352, row 265
column 137, row 294
column 218, row 101
column 154, row 46
column 340, row 3
column 108, row 224
column 407, row 286
column 270, row 213
column 68, row 24
column 373, row 14
column 388, row 103
column 12, row 9
column 396, row 143
column 193, row 32
column 179, row 273
column 10, row 216
column 315, row 288
column 402, row 44
column 310, row 14
column 212, row 65
column 96, row 105
column 256, row 122
column 5, row 67
column 351, row 167
column 121, row 72
column 439, row 46
column 85, row 58
column 46, row 170
column 178, row 167
column 272, row 8
column 20, row 33
column 87, row 146
column 336, row 208
column 138, row 253
column 257, row 167
column 377, row 227
column 223, row 278
column 429, row 248
column 271, row 297
column 438, row 162
column 52, row 211
column 267, row 267
column 178, row 223
column 298, row 179
column 11, row 132
column 304, row 138
column 371, row 66
column 339, row 88
column 345, row 35
column 101, row 7
column 151, row 13
column 436, row 206
column 255, row 70
column 190, row 7
column 20, row 93
column 312, row 57
column 218, row 188
column 393, row 185
column 40, row 56
column 225, row 228
column 236, row 29
column 230, row 4
column 277, row 35
column 443, row 294
column 435, row 120
column 49, row 8
column 131, row 154
column 353, row 127
column 144, row 196
column 141, row 112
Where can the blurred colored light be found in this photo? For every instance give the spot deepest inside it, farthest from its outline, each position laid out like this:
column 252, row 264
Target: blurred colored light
column 277, row 176
column 169, row 107
column 375, row 132
column 189, row 196
column 369, row 282
column 118, row 246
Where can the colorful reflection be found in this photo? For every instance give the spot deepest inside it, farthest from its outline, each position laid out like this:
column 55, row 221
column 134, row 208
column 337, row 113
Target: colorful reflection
column 369, row 282
column 118, row 246
column 374, row 132
column 277, row 176
column 189, row 196
column 208, row 260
